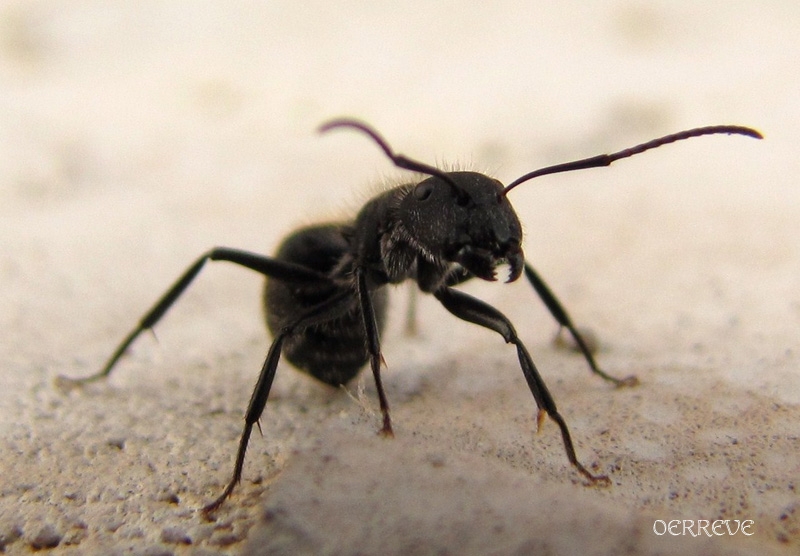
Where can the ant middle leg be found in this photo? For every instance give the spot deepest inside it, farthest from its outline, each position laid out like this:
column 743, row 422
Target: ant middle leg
column 328, row 310
column 374, row 348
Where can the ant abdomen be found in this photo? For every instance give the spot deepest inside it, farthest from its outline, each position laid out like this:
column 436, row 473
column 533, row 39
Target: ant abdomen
column 334, row 351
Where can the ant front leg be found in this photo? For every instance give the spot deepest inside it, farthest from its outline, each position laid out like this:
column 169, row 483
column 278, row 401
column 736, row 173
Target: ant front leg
column 267, row 266
column 476, row 311
column 561, row 316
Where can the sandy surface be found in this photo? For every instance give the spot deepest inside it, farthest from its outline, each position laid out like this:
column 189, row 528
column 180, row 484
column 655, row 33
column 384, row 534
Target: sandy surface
column 134, row 136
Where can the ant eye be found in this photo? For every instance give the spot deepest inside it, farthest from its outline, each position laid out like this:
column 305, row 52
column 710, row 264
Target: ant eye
column 422, row 191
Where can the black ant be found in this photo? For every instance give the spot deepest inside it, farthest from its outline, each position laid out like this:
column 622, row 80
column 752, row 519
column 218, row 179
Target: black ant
column 324, row 299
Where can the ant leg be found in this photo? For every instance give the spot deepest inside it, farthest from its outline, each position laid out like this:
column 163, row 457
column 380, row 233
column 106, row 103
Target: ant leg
column 267, row 266
column 325, row 311
column 374, row 347
column 561, row 316
column 476, row 311
column 254, row 410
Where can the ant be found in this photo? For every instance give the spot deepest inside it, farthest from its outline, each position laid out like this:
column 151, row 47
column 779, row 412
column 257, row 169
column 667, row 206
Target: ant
column 325, row 300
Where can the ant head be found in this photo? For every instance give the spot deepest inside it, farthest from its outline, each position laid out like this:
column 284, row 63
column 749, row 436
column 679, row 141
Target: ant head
column 458, row 217
column 479, row 234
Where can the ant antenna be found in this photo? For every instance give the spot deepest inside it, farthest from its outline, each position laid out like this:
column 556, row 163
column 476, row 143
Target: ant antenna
column 607, row 159
column 399, row 160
